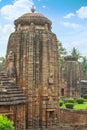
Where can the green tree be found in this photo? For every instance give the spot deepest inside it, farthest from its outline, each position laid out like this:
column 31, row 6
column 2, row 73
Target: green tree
column 2, row 61
column 5, row 123
column 75, row 52
column 62, row 50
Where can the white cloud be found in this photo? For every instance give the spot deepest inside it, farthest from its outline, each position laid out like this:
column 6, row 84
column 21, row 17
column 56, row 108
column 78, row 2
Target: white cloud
column 43, row 6
column 82, row 42
column 0, row 0
column 81, row 45
column 16, row 9
column 71, row 25
column 69, row 15
column 82, row 12
column 10, row 13
column 5, row 32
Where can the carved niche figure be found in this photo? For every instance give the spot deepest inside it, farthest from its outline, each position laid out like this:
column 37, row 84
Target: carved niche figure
column 10, row 67
column 51, row 79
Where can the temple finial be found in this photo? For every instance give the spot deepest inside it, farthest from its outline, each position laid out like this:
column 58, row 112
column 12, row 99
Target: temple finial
column 32, row 9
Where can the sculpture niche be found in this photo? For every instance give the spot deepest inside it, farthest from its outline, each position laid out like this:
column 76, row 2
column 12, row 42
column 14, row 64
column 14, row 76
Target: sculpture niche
column 10, row 65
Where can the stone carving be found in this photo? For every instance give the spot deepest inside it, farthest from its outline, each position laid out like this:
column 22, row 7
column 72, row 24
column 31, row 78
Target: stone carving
column 51, row 79
column 10, row 67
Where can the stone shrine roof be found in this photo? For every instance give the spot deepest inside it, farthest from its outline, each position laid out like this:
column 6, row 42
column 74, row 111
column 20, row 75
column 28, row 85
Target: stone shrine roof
column 10, row 94
column 70, row 58
column 35, row 18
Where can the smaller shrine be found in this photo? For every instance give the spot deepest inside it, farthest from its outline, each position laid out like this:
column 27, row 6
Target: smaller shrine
column 70, row 77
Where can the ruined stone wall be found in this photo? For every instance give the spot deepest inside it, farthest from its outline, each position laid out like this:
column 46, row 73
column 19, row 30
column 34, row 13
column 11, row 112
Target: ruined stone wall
column 72, row 127
column 73, row 116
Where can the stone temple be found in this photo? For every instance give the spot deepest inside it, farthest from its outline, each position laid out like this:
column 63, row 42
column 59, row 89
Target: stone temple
column 71, row 73
column 32, row 65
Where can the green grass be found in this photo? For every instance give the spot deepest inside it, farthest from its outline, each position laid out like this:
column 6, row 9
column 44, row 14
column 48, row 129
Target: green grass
column 78, row 106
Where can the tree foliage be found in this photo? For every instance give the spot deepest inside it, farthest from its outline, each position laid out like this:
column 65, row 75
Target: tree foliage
column 2, row 60
column 75, row 52
column 5, row 123
column 62, row 50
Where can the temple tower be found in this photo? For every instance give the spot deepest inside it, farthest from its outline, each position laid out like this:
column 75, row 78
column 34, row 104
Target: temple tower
column 71, row 76
column 35, row 51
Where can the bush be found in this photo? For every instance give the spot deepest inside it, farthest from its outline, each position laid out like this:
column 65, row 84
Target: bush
column 84, row 96
column 61, row 102
column 80, row 100
column 5, row 123
column 69, row 105
column 70, row 100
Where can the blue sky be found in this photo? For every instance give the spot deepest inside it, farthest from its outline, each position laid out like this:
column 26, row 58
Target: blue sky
column 69, row 20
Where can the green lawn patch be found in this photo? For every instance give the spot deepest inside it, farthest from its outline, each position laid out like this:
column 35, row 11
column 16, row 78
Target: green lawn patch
column 80, row 106
column 77, row 106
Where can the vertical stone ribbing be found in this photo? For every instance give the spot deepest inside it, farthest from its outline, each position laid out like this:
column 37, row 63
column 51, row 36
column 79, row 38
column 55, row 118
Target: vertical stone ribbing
column 44, row 61
column 37, row 58
column 30, row 76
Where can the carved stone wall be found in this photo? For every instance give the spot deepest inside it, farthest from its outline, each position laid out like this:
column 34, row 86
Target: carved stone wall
column 73, row 116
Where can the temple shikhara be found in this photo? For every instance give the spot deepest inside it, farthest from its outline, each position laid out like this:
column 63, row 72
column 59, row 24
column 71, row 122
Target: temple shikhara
column 29, row 84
